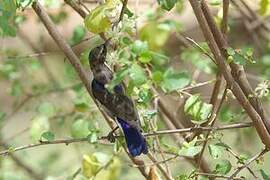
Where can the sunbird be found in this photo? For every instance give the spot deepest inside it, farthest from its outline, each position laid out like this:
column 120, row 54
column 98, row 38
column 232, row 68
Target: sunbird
column 115, row 102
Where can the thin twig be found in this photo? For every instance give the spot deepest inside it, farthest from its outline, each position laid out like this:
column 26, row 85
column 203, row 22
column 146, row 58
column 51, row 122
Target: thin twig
column 31, row 172
column 162, row 170
column 217, row 176
column 224, row 22
column 254, row 158
column 157, row 133
column 123, row 10
column 238, row 158
column 201, row 48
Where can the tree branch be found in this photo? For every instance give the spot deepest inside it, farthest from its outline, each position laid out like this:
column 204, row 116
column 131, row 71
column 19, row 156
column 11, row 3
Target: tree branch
column 257, row 156
column 157, row 133
column 223, row 67
column 74, row 60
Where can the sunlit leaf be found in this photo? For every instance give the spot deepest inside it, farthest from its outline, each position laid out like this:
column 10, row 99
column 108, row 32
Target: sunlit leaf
column 215, row 2
column 101, row 166
column 264, row 5
column 39, row 125
column 98, row 20
column 90, row 165
column 145, row 57
column 155, row 35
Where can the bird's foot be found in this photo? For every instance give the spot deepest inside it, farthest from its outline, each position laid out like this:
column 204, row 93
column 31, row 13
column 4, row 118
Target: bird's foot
column 111, row 137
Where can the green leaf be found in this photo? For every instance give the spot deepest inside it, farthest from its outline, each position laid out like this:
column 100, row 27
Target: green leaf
column 46, row 109
column 81, row 105
column 78, row 35
column 240, row 56
column 200, row 61
column 149, row 114
column 79, row 128
column 190, row 151
column 92, row 138
column 189, row 148
column 199, row 110
column 215, row 2
column 157, row 76
column 138, row 47
column 100, row 166
column 90, row 166
column 58, row 17
column 154, row 34
column 239, row 59
column 264, row 5
column 264, row 175
column 226, row 114
column 16, row 88
column 230, row 51
column 2, row 115
column 118, row 78
column 159, row 59
column 145, row 95
column 215, row 151
column 191, row 101
column 7, row 17
column 173, row 81
column 97, row 20
column 145, row 57
column 48, row 136
column 137, row 74
column 223, row 167
column 167, row 4
column 40, row 124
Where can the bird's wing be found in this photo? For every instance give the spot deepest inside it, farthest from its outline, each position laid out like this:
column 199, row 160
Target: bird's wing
column 124, row 108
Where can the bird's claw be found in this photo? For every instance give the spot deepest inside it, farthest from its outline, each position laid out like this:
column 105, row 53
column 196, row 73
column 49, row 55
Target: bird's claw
column 111, row 137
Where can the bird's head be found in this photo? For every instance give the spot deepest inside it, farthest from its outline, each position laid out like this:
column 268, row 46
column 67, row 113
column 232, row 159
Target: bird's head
column 98, row 54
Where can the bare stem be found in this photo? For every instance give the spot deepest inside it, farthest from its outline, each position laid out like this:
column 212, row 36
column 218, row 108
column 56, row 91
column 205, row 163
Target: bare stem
column 157, row 133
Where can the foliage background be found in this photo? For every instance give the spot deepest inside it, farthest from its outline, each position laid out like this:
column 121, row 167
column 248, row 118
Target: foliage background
column 41, row 96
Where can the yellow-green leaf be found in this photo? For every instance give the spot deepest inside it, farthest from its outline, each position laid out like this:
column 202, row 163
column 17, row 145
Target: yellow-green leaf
column 97, row 21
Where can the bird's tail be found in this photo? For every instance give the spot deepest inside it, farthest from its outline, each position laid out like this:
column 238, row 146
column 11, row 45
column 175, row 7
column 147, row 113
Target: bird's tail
column 136, row 142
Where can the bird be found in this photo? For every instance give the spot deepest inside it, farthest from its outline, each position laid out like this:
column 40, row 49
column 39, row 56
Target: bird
column 116, row 103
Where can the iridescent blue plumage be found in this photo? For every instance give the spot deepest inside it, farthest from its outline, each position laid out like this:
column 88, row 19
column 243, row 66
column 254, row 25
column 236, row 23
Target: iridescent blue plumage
column 116, row 103
column 135, row 141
